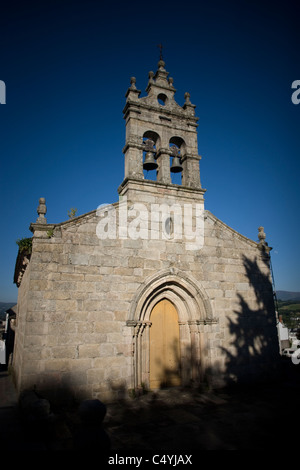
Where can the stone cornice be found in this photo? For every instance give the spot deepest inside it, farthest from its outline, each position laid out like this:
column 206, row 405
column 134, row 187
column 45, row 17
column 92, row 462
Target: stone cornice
column 180, row 113
column 153, row 185
column 36, row 227
column 22, row 261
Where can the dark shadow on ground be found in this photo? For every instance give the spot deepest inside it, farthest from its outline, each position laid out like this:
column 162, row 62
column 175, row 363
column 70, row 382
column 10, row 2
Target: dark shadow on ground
column 176, row 419
column 234, row 418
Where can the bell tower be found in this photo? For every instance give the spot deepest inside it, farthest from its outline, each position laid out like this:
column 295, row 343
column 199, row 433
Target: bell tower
column 161, row 137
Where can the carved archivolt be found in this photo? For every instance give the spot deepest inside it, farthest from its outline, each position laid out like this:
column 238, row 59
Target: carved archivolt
column 190, row 300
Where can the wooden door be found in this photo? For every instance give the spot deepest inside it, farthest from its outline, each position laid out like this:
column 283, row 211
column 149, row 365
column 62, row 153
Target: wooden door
column 164, row 346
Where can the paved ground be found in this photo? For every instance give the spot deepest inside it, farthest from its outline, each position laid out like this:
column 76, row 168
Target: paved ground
column 177, row 420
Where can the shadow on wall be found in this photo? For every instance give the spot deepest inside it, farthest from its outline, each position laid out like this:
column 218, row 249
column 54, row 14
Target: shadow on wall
column 254, row 352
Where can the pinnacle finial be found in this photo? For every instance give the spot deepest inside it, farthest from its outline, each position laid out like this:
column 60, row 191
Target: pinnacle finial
column 161, row 62
column 132, row 83
column 187, row 97
column 41, row 210
column 263, row 245
column 261, row 235
column 150, row 76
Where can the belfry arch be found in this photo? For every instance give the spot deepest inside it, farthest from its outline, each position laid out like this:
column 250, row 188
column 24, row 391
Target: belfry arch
column 194, row 313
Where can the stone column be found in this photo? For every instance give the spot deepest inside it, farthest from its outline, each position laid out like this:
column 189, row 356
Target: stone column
column 202, row 363
column 195, row 351
column 163, row 171
column 140, row 351
column 185, row 353
column 135, row 350
column 145, row 362
column 133, row 160
column 191, row 172
column 138, row 355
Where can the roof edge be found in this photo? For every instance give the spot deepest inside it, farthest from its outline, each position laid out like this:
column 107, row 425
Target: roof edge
column 234, row 232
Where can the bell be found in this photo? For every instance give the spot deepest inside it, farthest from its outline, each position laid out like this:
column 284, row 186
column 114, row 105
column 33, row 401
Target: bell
column 176, row 165
column 150, row 163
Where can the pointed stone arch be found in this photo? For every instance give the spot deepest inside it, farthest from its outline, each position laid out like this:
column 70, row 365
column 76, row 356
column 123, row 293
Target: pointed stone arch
column 194, row 311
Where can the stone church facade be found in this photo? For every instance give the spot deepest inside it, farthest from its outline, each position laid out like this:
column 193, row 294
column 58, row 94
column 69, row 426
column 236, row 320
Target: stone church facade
column 151, row 291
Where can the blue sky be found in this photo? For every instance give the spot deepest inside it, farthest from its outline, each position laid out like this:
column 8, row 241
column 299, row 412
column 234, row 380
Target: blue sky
column 67, row 66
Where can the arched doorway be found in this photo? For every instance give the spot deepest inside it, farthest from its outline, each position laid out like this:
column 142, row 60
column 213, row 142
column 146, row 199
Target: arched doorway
column 193, row 316
column 164, row 346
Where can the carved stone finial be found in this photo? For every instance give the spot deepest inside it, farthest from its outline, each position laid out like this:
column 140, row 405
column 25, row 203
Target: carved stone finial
column 261, row 236
column 262, row 244
column 41, row 210
column 132, row 83
column 132, row 92
column 161, row 65
column 188, row 106
column 151, row 75
column 187, row 98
